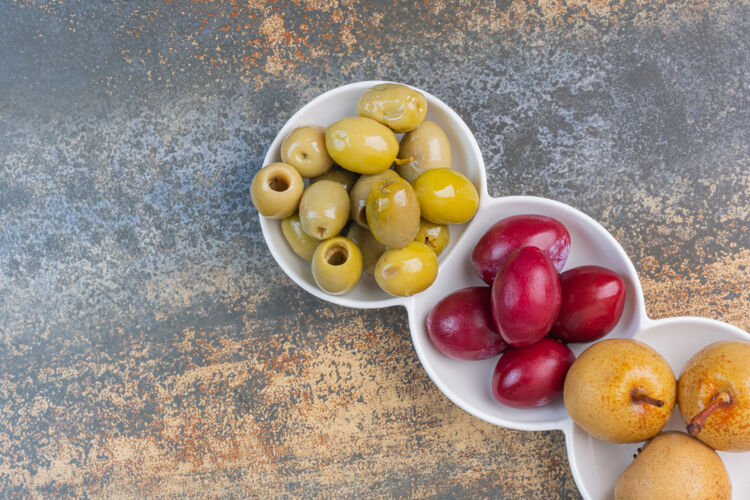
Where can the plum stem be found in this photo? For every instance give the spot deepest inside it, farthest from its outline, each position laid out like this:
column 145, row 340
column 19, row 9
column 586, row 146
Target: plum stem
column 401, row 161
column 718, row 401
column 638, row 395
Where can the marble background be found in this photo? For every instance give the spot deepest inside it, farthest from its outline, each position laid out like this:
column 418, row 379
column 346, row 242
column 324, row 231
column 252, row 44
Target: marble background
column 149, row 344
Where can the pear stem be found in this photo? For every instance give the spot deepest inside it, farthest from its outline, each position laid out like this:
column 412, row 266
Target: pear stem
column 718, row 401
column 401, row 161
column 638, row 395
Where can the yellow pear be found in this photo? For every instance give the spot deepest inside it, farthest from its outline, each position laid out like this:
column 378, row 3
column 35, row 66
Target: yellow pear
column 674, row 466
column 620, row 390
column 713, row 394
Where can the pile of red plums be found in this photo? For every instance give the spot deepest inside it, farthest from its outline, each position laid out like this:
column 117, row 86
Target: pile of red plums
column 529, row 311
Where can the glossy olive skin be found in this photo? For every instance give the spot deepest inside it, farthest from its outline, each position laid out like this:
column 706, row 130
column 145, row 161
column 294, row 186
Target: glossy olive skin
column 392, row 212
column 435, row 236
column 361, row 145
column 371, row 248
column 397, row 106
column 361, row 190
column 593, row 298
column 345, row 177
column 428, row 147
column 532, row 376
column 406, row 271
column 526, row 297
column 337, row 265
column 324, row 209
column 302, row 243
column 276, row 190
column 446, row 196
column 305, row 149
column 512, row 233
column 461, row 326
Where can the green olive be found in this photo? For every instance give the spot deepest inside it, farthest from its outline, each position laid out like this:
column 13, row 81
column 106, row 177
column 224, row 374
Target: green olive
column 371, row 248
column 302, row 243
column 406, row 271
column 361, row 190
column 399, row 107
column 421, row 149
column 305, row 149
column 446, row 196
column 324, row 209
column 435, row 236
column 337, row 265
column 345, row 177
column 392, row 212
column 361, row 145
column 276, row 190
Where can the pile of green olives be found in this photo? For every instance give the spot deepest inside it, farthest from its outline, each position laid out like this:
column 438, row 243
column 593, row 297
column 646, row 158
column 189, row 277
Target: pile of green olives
column 354, row 199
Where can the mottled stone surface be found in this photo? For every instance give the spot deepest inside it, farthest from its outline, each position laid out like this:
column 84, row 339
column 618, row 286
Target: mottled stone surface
column 149, row 344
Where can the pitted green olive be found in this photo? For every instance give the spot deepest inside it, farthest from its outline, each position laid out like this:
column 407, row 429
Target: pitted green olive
column 435, row 236
column 406, row 271
column 337, row 265
column 399, row 107
column 392, row 212
column 302, row 243
column 305, row 149
column 421, row 149
column 276, row 190
column 324, row 209
column 361, row 145
column 361, row 190
column 345, row 177
column 446, row 196
column 371, row 248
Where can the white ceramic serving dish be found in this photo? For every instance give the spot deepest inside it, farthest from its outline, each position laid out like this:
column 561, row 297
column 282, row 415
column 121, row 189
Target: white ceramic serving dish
column 595, row 464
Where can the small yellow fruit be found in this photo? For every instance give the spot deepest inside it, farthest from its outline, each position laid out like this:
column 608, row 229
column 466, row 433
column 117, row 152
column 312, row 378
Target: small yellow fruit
column 361, row 145
column 713, row 394
column 305, row 149
column 620, row 390
column 446, row 196
column 337, row 265
column 399, row 107
column 392, row 212
column 276, row 190
column 406, row 271
column 674, row 466
column 435, row 236
column 421, row 149
column 302, row 243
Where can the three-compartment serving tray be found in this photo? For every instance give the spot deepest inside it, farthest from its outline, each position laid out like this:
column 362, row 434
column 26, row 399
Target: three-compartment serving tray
column 595, row 464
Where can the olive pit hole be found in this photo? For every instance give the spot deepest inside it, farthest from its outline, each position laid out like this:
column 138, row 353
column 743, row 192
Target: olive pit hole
column 279, row 182
column 337, row 255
